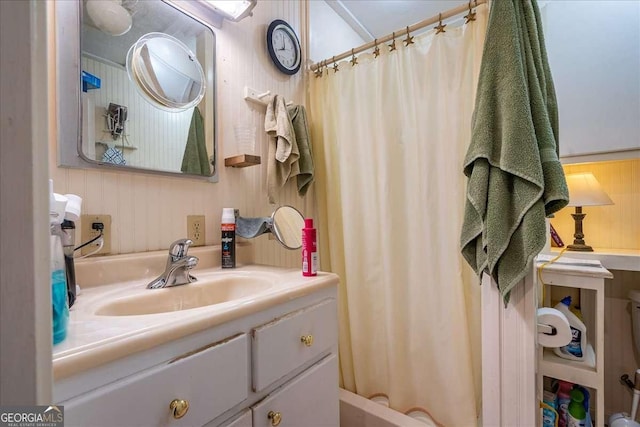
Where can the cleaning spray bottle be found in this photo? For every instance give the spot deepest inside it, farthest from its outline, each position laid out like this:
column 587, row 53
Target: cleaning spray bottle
column 59, row 297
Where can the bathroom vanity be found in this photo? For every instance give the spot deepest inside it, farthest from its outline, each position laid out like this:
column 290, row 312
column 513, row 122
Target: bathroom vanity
column 261, row 352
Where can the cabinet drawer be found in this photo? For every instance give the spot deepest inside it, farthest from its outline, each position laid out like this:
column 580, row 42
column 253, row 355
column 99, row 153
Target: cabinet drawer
column 311, row 399
column 278, row 347
column 211, row 380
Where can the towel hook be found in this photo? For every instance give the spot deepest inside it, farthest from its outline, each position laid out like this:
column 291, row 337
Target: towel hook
column 471, row 16
column 335, row 66
column 376, row 51
column 354, row 60
column 440, row 27
column 409, row 39
column 392, row 46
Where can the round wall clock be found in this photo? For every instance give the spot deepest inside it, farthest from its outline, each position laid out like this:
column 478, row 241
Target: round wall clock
column 284, row 47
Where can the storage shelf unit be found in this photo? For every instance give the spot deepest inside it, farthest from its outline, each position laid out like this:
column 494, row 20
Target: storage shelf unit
column 613, row 259
column 586, row 275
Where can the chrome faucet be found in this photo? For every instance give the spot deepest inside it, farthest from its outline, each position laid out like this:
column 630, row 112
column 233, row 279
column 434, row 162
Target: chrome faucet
column 178, row 265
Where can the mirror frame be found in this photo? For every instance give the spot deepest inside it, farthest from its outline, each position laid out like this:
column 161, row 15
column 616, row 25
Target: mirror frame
column 68, row 32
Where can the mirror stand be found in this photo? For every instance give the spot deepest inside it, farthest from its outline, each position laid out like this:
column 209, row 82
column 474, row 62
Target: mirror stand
column 285, row 223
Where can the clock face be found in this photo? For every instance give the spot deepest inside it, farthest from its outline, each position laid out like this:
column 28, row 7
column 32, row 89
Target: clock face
column 283, row 47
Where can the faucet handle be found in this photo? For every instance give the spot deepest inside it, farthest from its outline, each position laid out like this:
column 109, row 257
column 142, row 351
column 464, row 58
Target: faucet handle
column 179, row 248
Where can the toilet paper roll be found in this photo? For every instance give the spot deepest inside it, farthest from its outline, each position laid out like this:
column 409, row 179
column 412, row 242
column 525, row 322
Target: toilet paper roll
column 555, row 318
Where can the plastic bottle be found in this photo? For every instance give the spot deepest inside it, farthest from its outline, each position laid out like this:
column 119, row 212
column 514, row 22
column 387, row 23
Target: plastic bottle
column 563, row 400
column 549, row 413
column 228, row 238
column 309, row 249
column 585, row 404
column 59, row 298
column 576, row 415
column 576, row 349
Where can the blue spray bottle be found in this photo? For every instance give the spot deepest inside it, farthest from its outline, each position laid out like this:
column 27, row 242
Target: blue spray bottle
column 59, row 298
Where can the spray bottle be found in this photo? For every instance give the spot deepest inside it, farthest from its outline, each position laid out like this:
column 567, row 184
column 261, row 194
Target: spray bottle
column 228, row 238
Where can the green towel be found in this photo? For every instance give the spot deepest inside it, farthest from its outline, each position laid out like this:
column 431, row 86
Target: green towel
column 514, row 176
column 195, row 159
column 298, row 117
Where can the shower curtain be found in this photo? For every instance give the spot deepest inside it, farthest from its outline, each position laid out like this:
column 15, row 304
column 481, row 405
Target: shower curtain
column 390, row 134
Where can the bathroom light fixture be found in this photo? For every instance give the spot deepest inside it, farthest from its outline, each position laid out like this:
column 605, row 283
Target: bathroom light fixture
column 584, row 190
column 234, row 10
column 109, row 16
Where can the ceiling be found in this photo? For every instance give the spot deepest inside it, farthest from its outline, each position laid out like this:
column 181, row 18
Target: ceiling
column 148, row 17
column 374, row 19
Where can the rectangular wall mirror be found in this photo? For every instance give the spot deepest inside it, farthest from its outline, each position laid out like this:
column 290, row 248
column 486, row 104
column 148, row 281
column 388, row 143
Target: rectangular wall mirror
column 136, row 88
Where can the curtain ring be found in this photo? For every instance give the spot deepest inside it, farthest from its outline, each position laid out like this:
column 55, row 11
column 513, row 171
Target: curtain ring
column 335, row 65
column 409, row 39
column 392, row 46
column 376, row 51
column 440, row 27
column 354, row 60
column 318, row 71
column 471, row 16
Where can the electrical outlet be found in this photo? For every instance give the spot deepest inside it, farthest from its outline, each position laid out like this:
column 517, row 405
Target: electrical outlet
column 91, row 225
column 195, row 229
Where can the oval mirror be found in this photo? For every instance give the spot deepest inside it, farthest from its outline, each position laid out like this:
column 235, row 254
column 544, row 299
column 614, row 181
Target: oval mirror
column 165, row 72
column 288, row 223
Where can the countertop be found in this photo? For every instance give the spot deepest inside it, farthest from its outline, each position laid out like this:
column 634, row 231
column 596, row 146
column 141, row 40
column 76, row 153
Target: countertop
column 93, row 340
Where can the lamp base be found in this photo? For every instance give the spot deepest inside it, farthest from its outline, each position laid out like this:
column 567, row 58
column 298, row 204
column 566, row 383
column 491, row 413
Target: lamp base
column 580, row 248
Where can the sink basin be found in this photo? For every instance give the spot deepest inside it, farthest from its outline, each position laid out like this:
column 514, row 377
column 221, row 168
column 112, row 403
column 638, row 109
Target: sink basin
column 185, row 297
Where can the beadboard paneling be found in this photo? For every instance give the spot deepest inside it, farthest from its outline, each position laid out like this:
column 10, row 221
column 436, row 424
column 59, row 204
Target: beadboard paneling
column 159, row 142
column 619, row 351
column 614, row 226
column 149, row 212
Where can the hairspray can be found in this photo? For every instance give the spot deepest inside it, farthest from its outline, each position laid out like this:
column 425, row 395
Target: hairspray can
column 309, row 249
column 228, row 240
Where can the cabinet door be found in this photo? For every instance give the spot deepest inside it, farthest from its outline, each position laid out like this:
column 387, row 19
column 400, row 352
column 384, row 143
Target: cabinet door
column 310, row 399
column 211, row 380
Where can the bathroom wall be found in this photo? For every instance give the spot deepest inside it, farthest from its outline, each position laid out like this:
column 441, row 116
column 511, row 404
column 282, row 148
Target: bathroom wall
column 613, row 226
column 329, row 34
column 149, row 212
column 620, row 356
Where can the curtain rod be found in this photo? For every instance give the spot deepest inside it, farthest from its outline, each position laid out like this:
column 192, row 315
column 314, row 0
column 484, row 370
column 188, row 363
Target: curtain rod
column 444, row 15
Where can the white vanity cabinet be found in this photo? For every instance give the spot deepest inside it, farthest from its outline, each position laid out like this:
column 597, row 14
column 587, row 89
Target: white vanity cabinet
column 274, row 367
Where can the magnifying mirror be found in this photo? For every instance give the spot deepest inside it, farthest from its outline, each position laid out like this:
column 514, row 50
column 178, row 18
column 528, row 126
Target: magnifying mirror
column 165, row 72
column 286, row 224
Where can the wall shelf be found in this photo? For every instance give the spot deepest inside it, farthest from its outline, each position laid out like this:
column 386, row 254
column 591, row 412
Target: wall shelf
column 125, row 147
column 242, row 161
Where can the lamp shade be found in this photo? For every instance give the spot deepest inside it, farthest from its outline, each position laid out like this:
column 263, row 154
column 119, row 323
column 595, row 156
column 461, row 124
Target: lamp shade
column 585, row 190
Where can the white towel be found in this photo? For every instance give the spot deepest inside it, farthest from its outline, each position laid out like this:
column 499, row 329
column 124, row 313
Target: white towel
column 282, row 159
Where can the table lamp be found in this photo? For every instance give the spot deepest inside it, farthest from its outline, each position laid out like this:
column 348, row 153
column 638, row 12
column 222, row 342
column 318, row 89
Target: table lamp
column 584, row 190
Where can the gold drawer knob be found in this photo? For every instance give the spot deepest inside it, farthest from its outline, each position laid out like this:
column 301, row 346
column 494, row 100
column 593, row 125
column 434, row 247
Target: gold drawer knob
column 275, row 417
column 179, row 408
column 307, row 340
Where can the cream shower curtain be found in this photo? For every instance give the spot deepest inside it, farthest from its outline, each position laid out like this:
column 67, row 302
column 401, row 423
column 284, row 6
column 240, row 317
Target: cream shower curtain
column 390, row 135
